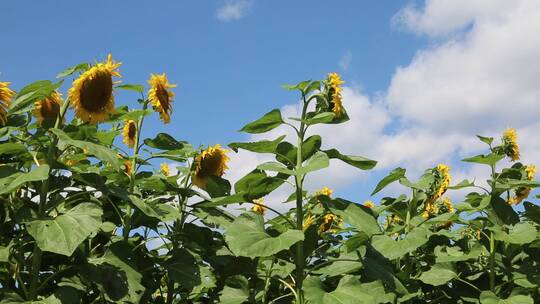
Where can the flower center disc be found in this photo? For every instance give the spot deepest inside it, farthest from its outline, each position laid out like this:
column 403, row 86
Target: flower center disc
column 96, row 92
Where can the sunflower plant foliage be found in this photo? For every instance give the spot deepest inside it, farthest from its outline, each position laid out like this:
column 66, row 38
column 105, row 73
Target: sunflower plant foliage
column 92, row 212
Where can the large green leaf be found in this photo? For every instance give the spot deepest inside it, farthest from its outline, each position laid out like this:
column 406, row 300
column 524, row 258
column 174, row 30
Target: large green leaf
column 439, row 274
column 163, row 141
column 236, row 290
column 263, row 146
column 355, row 161
column 266, row 123
column 76, row 68
column 348, row 291
column 131, row 87
column 521, row 233
column 31, row 93
column 393, row 249
column 66, row 232
column 101, row 152
column 490, row 159
column 318, row 161
column 156, row 209
column 395, row 175
column 488, row 297
column 12, row 148
column 246, row 237
column 346, row 263
column 16, row 179
column 355, row 215
column 182, row 268
column 257, row 184
column 276, row 167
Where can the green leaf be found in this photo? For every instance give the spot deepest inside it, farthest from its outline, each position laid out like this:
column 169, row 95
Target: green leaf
column 393, row 249
column 247, row 238
column 488, row 297
column 504, row 213
column 131, row 87
column 14, row 180
column 160, row 211
column 263, row 146
column 532, row 212
column 101, row 152
column 266, row 123
column 134, row 115
column 487, row 140
column 463, row 184
column 76, row 68
column 324, row 117
column 163, row 141
column 343, row 265
column 31, row 93
column 276, row 167
column 182, row 268
column 454, row 254
column 317, row 162
column 521, row 233
column 348, row 291
column 236, row 290
column 439, row 274
column 355, row 215
column 355, row 161
column 66, row 232
column 395, row 175
column 490, row 159
column 257, row 184
column 12, row 148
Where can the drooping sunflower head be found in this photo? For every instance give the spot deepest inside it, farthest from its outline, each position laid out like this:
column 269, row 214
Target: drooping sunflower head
column 259, row 207
column 210, row 162
column 128, row 166
column 530, row 171
column 6, row 94
column 330, row 220
column 47, row 108
column 164, row 168
column 161, row 96
column 334, row 83
column 369, row 204
column 324, row 191
column 444, row 178
column 430, row 209
column 92, row 93
column 510, row 145
column 129, row 133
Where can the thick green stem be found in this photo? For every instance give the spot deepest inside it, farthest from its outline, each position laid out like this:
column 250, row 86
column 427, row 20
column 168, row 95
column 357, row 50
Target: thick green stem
column 136, row 147
column 37, row 253
column 491, row 263
column 300, row 260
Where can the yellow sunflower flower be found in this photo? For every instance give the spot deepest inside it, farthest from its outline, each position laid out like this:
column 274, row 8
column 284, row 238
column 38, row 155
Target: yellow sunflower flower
column 324, row 191
column 510, row 142
column 128, row 166
column 6, row 94
column 369, row 204
column 431, row 209
column 129, row 132
column 164, row 168
column 260, row 208
column 444, row 173
column 448, row 205
column 160, row 96
column 48, row 108
column 308, row 221
column 210, row 162
column 334, row 83
column 523, row 192
column 92, row 93
column 328, row 221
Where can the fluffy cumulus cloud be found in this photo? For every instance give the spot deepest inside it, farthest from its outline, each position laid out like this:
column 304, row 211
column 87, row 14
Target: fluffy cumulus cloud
column 233, row 10
column 479, row 75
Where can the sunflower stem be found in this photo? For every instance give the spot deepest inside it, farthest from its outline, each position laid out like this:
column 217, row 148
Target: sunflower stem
column 136, row 147
column 37, row 253
column 299, row 260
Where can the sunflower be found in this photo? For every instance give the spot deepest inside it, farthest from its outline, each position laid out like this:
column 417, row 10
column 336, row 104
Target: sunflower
column 129, row 132
column 334, row 83
column 369, row 204
column 259, row 208
column 210, row 162
column 47, row 108
column 444, row 173
column 5, row 100
column 522, row 193
column 431, row 209
column 308, row 221
column 164, row 168
column 92, row 93
column 324, row 191
column 511, row 148
column 448, row 205
column 160, row 96
column 128, row 166
column 328, row 221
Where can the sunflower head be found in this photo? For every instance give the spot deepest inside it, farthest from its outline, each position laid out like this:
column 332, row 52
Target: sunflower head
column 444, row 178
column 447, row 205
column 328, row 221
column 308, row 221
column 6, row 94
column 430, row 209
column 334, row 83
column 369, row 204
column 530, row 171
column 92, row 93
column 164, row 168
column 48, row 108
column 161, row 96
column 324, row 191
column 510, row 145
column 129, row 132
column 210, row 162
column 128, row 166
column 259, row 207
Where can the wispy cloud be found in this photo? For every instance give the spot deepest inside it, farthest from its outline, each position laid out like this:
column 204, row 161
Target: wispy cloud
column 345, row 61
column 234, row 10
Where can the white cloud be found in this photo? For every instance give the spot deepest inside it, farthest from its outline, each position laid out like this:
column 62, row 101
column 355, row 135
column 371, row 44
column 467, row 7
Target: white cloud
column 233, row 10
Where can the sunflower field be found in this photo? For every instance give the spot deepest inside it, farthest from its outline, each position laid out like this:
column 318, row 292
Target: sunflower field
column 91, row 212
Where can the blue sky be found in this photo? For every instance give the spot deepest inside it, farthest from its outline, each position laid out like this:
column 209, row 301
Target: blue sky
column 445, row 70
